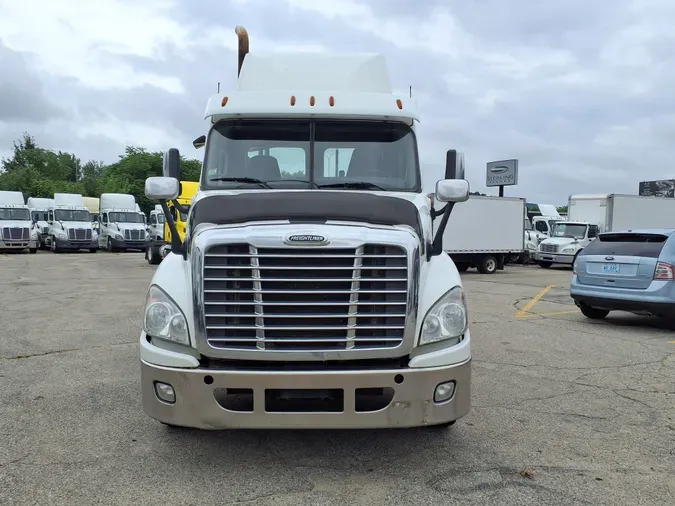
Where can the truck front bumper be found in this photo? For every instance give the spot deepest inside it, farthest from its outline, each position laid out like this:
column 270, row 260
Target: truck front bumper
column 18, row 245
column 199, row 397
column 556, row 258
column 67, row 245
column 122, row 244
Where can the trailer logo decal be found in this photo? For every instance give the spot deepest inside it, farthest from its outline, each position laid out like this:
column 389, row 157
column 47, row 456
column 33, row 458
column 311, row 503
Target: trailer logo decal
column 306, row 239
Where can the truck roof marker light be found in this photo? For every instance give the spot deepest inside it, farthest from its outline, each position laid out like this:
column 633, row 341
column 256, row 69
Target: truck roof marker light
column 292, row 100
column 312, row 101
column 399, row 103
column 331, row 101
column 223, row 102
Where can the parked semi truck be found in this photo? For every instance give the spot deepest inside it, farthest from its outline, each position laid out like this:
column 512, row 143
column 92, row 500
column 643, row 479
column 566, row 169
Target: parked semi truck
column 484, row 232
column 179, row 210
column 70, row 226
column 302, row 296
column 588, row 215
column 39, row 213
column 121, row 224
column 17, row 230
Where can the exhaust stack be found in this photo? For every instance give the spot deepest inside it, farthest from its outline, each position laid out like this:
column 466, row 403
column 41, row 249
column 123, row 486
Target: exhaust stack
column 242, row 35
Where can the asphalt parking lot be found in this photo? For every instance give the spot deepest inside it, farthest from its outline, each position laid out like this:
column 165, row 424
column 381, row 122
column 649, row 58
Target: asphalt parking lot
column 565, row 410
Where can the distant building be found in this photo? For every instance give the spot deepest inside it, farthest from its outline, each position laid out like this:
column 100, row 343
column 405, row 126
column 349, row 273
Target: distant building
column 661, row 188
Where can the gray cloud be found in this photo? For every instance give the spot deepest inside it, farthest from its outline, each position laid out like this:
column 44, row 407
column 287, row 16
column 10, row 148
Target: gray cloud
column 21, row 93
column 579, row 92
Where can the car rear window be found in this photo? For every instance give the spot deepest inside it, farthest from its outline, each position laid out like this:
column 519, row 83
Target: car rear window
column 632, row 245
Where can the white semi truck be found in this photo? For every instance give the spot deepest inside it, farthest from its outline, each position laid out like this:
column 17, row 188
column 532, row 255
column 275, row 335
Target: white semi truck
column 121, row 224
column 17, row 230
column 39, row 213
column 485, row 232
column 70, row 226
column 304, row 296
column 156, row 223
column 589, row 215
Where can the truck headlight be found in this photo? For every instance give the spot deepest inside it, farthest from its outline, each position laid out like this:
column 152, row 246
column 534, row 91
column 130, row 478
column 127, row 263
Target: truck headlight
column 163, row 318
column 568, row 250
column 119, row 237
column 61, row 234
column 447, row 319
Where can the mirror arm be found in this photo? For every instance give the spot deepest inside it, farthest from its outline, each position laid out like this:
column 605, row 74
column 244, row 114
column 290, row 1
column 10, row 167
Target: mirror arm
column 435, row 214
column 437, row 244
column 176, row 244
column 182, row 208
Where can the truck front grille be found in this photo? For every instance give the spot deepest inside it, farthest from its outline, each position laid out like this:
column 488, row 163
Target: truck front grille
column 134, row 235
column 549, row 248
column 79, row 235
column 15, row 234
column 305, row 299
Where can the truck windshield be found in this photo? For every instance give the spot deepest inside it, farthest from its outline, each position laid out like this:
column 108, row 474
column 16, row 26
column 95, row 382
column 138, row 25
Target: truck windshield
column 10, row 213
column 569, row 230
column 121, row 217
column 373, row 155
column 71, row 215
column 39, row 215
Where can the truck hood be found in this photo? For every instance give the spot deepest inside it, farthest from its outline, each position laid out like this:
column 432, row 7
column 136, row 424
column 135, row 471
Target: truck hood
column 559, row 241
column 129, row 226
column 16, row 223
column 75, row 224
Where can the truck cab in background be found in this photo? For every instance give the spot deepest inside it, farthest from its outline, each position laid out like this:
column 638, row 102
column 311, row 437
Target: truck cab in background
column 156, row 223
column 39, row 213
column 121, row 224
column 567, row 240
column 308, row 292
column 17, row 229
column 70, row 226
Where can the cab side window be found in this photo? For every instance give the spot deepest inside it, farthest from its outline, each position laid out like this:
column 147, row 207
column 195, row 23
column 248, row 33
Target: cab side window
column 51, row 215
column 541, row 227
column 593, row 231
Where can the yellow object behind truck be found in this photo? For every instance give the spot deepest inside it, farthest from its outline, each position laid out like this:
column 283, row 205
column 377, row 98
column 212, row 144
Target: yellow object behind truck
column 159, row 249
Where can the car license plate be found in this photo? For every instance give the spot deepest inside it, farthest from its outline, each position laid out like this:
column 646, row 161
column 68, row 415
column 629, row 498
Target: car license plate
column 611, row 268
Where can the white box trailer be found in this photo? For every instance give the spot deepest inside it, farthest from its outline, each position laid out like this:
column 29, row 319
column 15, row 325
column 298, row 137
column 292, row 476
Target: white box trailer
column 613, row 212
column 484, row 232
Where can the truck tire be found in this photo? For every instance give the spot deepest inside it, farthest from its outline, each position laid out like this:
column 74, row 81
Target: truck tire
column 109, row 246
column 487, row 264
column 152, row 256
column 54, row 246
column 93, row 250
column 32, row 250
column 545, row 265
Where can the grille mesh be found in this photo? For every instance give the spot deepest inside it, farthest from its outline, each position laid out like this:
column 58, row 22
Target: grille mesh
column 305, row 299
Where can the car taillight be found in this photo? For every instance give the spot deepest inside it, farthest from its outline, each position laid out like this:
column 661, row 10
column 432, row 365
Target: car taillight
column 664, row 271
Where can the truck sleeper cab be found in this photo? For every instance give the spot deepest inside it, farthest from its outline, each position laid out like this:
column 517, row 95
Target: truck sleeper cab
column 39, row 213
column 122, row 225
column 309, row 291
column 70, row 226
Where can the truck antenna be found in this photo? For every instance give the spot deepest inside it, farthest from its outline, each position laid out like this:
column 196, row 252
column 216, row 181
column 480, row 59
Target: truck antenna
column 410, row 91
column 242, row 35
column 218, row 87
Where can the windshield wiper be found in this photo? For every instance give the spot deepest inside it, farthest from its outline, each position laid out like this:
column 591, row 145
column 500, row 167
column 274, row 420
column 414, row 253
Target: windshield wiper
column 314, row 185
column 251, row 180
column 355, row 184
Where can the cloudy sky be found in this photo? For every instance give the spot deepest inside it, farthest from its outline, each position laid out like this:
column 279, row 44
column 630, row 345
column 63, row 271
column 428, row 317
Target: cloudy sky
column 579, row 91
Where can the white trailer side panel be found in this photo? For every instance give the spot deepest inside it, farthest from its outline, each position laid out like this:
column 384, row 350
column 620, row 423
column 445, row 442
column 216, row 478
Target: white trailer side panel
column 588, row 208
column 632, row 211
column 485, row 225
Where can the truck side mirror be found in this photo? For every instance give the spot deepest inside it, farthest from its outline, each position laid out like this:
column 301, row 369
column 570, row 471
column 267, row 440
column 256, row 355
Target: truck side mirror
column 452, row 190
column 162, row 188
column 171, row 164
column 199, row 142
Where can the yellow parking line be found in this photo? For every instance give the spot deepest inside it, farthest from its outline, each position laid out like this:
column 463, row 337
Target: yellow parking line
column 523, row 312
column 671, row 342
column 532, row 315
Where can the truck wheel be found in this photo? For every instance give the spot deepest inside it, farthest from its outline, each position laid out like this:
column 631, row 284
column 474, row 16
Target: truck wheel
column 487, row 265
column 462, row 266
column 545, row 265
column 152, row 256
column 32, row 250
column 592, row 312
column 110, row 245
column 93, row 250
column 54, row 247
